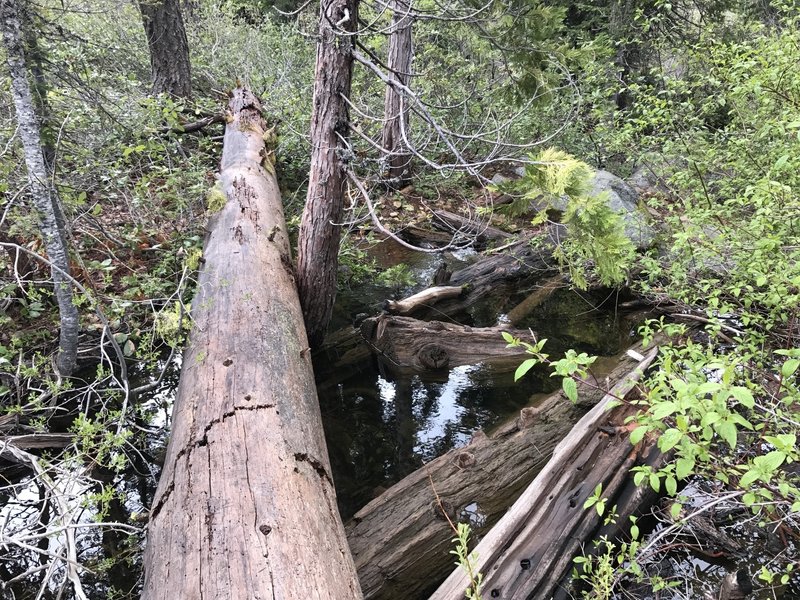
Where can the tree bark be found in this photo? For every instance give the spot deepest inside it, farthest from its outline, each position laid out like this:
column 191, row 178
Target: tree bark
column 395, row 111
column 318, row 243
column 525, row 555
column 169, row 48
column 43, row 194
column 401, row 540
column 245, row 507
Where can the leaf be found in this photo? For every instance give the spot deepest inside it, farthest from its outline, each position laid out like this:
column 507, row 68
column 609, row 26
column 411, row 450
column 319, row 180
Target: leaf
column 789, row 367
column 675, row 510
column 637, row 435
column 671, row 486
column 770, row 461
column 663, row 409
column 129, row 348
column 655, row 482
column 743, row 395
column 748, row 478
column 570, row 389
column 684, row 467
column 669, row 439
column 727, row 431
column 526, row 366
column 507, row 337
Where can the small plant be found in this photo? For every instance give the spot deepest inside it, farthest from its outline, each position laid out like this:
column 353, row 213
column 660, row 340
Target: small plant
column 467, row 561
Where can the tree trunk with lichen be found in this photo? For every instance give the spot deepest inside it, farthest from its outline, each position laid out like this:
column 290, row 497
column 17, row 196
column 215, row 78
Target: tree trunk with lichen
column 318, row 243
column 43, row 194
column 246, row 506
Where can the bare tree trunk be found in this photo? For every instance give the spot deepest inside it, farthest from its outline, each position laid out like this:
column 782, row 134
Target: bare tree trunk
column 246, row 507
column 44, row 196
column 318, row 244
column 395, row 113
column 169, row 49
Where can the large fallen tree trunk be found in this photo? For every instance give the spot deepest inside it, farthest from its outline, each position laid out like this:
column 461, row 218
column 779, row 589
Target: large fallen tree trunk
column 525, row 555
column 246, row 507
column 401, row 541
column 427, row 345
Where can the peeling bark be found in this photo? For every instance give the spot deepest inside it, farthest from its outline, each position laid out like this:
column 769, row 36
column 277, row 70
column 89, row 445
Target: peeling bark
column 42, row 193
column 395, row 111
column 318, row 243
column 246, row 507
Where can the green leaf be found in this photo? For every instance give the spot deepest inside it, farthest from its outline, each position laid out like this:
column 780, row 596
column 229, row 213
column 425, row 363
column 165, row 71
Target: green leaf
column 655, row 482
column 743, row 395
column 789, row 367
column 507, row 337
column 671, row 485
column 526, row 366
column 663, row 410
column 675, row 510
column 770, row 461
column 637, row 435
column 684, row 467
column 669, row 439
column 748, row 478
column 570, row 389
column 727, row 431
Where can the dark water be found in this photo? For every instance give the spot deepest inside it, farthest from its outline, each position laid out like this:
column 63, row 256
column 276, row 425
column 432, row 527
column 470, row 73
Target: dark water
column 382, row 424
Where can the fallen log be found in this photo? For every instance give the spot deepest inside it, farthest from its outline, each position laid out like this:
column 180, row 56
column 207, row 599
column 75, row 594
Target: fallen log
column 422, row 300
column 535, row 299
column 245, row 507
column 482, row 232
column 401, row 541
column 526, row 553
column 408, row 343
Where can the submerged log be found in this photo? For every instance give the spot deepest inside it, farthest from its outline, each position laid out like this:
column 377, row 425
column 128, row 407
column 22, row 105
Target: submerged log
column 401, row 541
column 428, row 345
column 422, row 300
column 245, row 507
column 535, row 299
column 526, row 553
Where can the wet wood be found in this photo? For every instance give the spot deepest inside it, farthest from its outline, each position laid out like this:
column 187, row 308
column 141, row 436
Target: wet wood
column 526, row 553
column 401, row 541
column 541, row 293
column 245, row 507
column 422, row 300
column 408, row 343
column 478, row 229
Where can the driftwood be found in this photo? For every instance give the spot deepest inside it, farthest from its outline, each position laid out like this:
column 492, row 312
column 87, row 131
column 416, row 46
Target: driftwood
column 422, row 300
column 428, row 345
column 526, row 553
column 481, row 231
column 401, row 542
column 245, row 507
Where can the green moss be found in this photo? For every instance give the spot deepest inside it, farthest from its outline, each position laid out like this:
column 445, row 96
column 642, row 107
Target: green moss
column 215, row 199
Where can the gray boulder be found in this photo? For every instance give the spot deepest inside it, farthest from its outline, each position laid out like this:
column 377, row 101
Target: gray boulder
column 623, row 199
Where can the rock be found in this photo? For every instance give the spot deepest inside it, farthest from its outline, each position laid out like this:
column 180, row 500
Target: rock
column 500, row 179
column 622, row 198
column 646, row 180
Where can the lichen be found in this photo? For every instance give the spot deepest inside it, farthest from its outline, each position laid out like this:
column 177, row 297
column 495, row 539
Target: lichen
column 215, row 199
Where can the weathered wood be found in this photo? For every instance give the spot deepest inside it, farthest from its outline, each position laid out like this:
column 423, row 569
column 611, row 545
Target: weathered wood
column 535, row 299
column 426, row 345
column 524, row 555
column 401, row 542
column 481, row 231
column 424, row 299
column 245, row 507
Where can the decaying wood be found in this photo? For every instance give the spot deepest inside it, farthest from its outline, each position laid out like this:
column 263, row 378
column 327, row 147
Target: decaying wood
column 427, row 345
column 245, row 507
column 535, row 299
column 424, row 299
column 525, row 554
column 401, row 542
column 482, row 232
